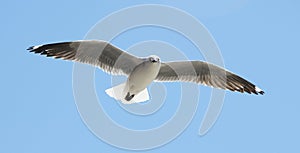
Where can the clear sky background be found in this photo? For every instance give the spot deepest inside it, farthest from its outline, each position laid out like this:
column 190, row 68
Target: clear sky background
column 258, row 40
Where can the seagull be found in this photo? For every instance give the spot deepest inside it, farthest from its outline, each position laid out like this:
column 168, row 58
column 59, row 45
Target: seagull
column 141, row 71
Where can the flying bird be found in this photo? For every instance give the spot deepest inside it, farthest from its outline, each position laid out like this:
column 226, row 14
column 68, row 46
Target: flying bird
column 141, row 71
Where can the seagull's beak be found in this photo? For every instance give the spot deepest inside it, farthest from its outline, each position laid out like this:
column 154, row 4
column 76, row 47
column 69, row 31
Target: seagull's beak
column 153, row 60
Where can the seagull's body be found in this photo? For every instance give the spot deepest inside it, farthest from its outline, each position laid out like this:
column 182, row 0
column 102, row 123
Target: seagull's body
column 143, row 75
column 142, row 71
column 138, row 80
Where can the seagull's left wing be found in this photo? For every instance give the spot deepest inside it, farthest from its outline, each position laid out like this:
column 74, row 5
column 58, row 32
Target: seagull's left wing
column 204, row 73
column 94, row 52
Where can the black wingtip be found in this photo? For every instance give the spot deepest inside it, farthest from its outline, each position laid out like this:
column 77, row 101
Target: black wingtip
column 257, row 91
column 261, row 92
column 30, row 48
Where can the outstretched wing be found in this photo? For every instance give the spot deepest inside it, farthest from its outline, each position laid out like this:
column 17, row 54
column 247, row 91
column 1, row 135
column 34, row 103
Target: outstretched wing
column 207, row 74
column 94, row 52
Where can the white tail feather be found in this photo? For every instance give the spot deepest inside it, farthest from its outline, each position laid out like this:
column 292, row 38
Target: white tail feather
column 118, row 93
column 141, row 96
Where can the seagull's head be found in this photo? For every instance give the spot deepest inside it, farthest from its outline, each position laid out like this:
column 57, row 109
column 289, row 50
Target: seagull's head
column 154, row 59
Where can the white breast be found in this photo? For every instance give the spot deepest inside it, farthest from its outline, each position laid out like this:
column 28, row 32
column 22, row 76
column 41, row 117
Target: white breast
column 142, row 76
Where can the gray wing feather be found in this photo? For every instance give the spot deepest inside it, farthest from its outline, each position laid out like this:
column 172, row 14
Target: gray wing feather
column 205, row 73
column 94, row 52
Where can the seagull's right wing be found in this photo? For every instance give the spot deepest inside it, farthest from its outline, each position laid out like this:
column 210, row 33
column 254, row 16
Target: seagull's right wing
column 205, row 73
column 94, row 52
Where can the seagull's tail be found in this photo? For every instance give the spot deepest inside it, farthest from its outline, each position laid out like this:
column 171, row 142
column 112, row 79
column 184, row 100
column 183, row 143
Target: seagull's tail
column 116, row 92
column 120, row 93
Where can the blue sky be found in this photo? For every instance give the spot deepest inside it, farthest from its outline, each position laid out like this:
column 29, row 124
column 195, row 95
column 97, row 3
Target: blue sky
column 258, row 40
